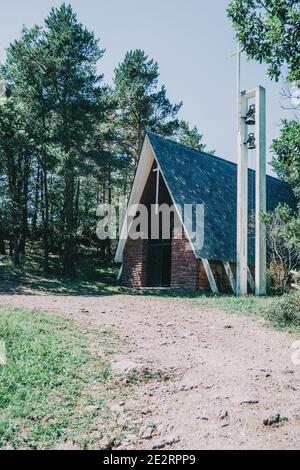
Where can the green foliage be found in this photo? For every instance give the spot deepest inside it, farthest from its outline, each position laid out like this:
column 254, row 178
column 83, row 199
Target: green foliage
column 285, row 311
column 283, row 252
column 15, row 156
column 51, row 72
column 45, row 387
column 69, row 143
column 286, row 149
column 268, row 31
column 286, row 162
column 190, row 137
column 296, row 279
column 75, row 99
column 141, row 103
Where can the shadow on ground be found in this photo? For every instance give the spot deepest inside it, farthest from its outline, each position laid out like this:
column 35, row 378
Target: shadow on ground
column 18, row 281
column 26, row 281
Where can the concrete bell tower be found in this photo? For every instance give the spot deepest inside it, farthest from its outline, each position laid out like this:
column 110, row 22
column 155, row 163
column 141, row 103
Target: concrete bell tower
column 253, row 115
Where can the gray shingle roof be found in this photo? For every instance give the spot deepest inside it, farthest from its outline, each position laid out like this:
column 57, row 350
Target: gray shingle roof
column 195, row 177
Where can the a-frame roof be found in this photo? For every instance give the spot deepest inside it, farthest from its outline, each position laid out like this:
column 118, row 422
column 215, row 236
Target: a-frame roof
column 194, row 177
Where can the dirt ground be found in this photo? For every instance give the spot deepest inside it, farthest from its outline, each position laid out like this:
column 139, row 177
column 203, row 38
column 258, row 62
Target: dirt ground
column 227, row 372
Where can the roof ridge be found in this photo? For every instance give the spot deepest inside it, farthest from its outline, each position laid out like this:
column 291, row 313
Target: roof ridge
column 216, row 157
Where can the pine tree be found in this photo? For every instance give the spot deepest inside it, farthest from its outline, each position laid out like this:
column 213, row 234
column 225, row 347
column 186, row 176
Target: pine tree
column 141, row 103
column 75, row 97
column 25, row 74
column 15, row 157
column 190, row 137
column 52, row 72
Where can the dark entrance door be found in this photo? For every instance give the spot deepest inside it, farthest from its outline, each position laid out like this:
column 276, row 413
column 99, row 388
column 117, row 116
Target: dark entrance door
column 159, row 263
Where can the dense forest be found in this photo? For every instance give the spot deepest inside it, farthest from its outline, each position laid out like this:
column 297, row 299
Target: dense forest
column 68, row 141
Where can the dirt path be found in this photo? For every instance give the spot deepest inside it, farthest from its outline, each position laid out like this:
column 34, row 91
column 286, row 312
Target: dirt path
column 228, row 372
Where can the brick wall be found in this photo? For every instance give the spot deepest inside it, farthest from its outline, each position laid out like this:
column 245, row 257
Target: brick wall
column 187, row 273
column 183, row 266
column 219, row 274
column 134, row 273
column 202, row 278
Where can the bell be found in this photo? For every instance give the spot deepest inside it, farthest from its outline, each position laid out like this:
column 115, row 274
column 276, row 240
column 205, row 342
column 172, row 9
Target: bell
column 250, row 118
column 251, row 141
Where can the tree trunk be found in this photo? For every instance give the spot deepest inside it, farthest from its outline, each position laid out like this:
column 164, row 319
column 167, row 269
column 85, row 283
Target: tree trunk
column 45, row 215
column 36, row 201
column 24, row 202
column 2, row 246
column 16, row 249
column 16, row 179
column 69, row 247
column 76, row 210
column 108, row 241
column 11, row 247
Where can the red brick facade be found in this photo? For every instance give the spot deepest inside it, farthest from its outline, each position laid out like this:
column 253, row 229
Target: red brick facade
column 220, row 276
column 187, row 272
column 134, row 272
column 202, row 278
column 183, row 265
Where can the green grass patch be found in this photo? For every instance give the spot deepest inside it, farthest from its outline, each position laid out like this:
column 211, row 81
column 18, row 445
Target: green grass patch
column 62, row 286
column 270, row 308
column 281, row 312
column 93, row 278
column 249, row 305
column 230, row 303
column 285, row 311
column 15, row 279
column 52, row 389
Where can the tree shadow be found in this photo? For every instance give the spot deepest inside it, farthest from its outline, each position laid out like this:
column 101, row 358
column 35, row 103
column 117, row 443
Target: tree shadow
column 20, row 281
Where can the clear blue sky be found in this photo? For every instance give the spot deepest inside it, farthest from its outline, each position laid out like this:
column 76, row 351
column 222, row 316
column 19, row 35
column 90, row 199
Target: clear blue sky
column 192, row 41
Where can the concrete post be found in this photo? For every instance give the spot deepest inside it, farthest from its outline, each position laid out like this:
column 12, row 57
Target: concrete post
column 260, row 194
column 260, row 197
column 242, row 203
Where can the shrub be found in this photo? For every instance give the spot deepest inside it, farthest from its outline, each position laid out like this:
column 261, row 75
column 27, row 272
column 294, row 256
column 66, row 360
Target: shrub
column 285, row 311
column 279, row 277
column 283, row 253
column 296, row 278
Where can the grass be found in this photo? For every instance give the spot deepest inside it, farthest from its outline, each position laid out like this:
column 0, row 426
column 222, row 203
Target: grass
column 52, row 389
column 248, row 305
column 259, row 307
column 30, row 275
column 92, row 277
column 55, row 389
column 63, row 286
